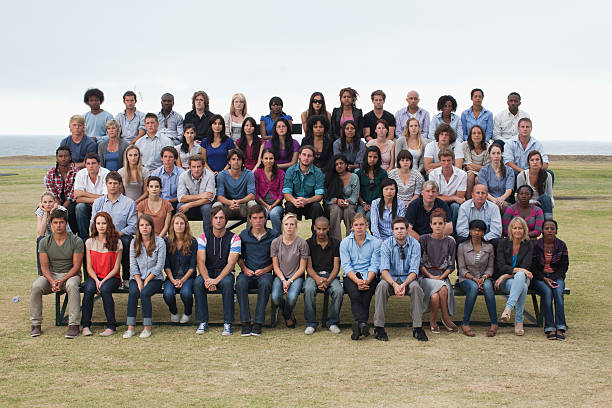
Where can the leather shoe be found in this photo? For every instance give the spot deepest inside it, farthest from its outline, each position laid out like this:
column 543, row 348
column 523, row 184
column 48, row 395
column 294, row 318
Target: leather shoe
column 380, row 334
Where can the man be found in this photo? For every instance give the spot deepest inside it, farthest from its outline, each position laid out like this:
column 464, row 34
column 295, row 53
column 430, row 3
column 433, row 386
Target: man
column 452, row 182
column 196, row 190
column 256, row 265
column 122, row 210
column 218, row 252
column 199, row 115
column 419, row 211
column 171, row 122
column 322, row 268
column 151, row 145
column 479, row 208
column 236, row 186
column 61, row 257
column 78, row 143
column 132, row 121
column 60, row 182
column 96, row 118
column 412, row 111
column 370, row 118
column 303, row 188
column 505, row 123
column 400, row 258
column 518, row 148
column 169, row 174
column 444, row 136
column 89, row 184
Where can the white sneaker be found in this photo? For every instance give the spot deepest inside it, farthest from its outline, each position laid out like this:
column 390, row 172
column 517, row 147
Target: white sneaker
column 227, row 329
column 309, row 330
column 185, row 318
column 174, row 318
column 145, row 334
column 128, row 334
column 202, row 328
column 334, row 329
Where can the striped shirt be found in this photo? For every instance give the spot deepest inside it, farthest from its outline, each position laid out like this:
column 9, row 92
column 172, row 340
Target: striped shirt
column 381, row 227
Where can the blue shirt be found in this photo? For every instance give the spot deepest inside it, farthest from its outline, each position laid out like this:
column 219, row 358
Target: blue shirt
column 130, row 128
column 514, row 152
column 111, row 160
column 353, row 156
column 178, row 263
column 270, row 122
column 402, row 116
column 217, row 156
column 145, row 265
column 455, row 123
column 169, row 181
column 362, row 259
column 79, row 150
column 496, row 186
column 123, row 212
column 95, row 125
column 489, row 213
column 256, row 253
column 236, row 189
column 303, row 185
column 485, row 121
column 381, row 227
column 391, row 259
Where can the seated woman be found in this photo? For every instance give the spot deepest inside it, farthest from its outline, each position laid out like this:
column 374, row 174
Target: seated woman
column 316, row 106
column 445, row 139
column 532, row 214
column 540, row 181
column 446, row 106
column 409, row 180
column 350, row 145
column 289, row 254
column 475, row 157
column 250, row 144
column 497, row 177
column 341, row 195
column 513, row 259
column 269, row 181
column 317, row 130
column 234, row 120
column 133, row 174
column 550, row 264
column 346, row 111
column 386, row 146
column 181, row 252
column 147, row 260
column 437, row 262
column 157, row 208
column 385, row 209
column 267, row 122
column 283, row 145
column 476, row 260
column 104, row 251
column 43, row 226
column 189, row 146
column 412, row 141
column 111, row 150
column 371, row 176
column 217, row 145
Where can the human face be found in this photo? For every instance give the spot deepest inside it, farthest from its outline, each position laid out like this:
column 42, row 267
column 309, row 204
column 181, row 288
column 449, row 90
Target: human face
column 238, row 105
column 513, row 103
column 145, row 228
column 405, row 163
column 178, row 225
column 523, row 196
column 235, row 162
column 258, row 220
column 167, row 102
column 517, row 231
column 400, row 232
column 359, row 227
column 129, row 102
column 495, row 154
column 429, row 195
column 63, row 158
column 47, row 203
column 413, row 128
column 479, row 194
column 381, row 131
column 112, row 186
column 388, row 192
column 549, row 230
column 378, row 101
column 317, row 103
column 346, row 99
column 217, row 126
column 476, row 233
column 112, row 131
column 101, row 225
column 281, row 129
column 535, row 163
column 199, row 102
column 447, row 108
column 446, row 162
column 58, row 226
column 349, row 131
column 413, row 100
column 289, row 226
column 268, row 160
column 444, row 139
column 133, row 155
column 524, row 129
column 151, row 124
column 340, row 166
column 477, row 98
column 196, row 169
column 318, row 129
column 76, row 128
column 92, row 166
column 306, row 157
column 321, row 229
column 372, row 158
column 219, row 221
column 476, row 136
column 437, row 225
column 94, row 102
column 168, row 159
column 249, row 129
column 153, row 188
column 276, row 108
column 189, row 136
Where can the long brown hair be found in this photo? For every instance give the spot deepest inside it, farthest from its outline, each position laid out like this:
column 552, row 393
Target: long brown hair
column 138, row 237
column 127, row 168
column 187, row 237
column 542, row 174
column 112, row 236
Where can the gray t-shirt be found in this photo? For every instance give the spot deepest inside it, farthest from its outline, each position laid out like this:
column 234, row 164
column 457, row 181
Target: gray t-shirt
column 60, row 257
column 289, row 255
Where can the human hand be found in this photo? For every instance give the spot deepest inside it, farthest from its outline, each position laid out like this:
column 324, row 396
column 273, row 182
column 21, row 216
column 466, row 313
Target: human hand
column 184, row 208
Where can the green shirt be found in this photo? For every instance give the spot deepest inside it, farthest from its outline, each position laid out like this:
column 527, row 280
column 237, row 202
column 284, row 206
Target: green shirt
column 370, row 189
column 60, row 257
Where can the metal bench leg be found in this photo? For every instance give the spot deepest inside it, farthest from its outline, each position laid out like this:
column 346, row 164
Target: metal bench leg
column 60, row 313
column 273, row 314
column 325, row 309
column 538, row 310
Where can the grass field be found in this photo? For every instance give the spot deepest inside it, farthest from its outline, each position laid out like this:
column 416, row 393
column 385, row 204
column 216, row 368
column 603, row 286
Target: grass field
column 286, row 368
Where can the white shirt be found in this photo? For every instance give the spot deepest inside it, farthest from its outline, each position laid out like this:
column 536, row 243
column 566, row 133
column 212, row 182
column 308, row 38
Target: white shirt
column 432, row 149
column 457, row 182
column 83, row 182
column 505, row 124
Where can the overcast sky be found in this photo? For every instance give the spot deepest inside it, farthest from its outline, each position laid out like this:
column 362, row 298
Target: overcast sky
column 553, row 53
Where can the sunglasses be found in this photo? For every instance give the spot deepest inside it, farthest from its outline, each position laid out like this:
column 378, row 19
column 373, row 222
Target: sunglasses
column 317, row 101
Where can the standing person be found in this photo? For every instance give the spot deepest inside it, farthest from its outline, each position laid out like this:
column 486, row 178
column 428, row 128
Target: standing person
column 409, row 180
column 189, row 146
column 236, row 186
column 386, row 146
column 267, row 123
column 152, row 143
column 234, row 120
column 385, row 210
column 497, row 177
column 346, row 111
column 479, row 208
column 412, row 141
column 316, row 106
column 540, row 181
column 171, row 122
column 505, row 123
column 317, row 130
column 89, row 184
column 350, row 145
column 78, row 143
column 412, row 111
column 477, row 115
column 59, row 181
column 199, row 116
column 154, row 206
column 250, row 144
column 96, row 118
column 284, row 146
column 475, row 157
column 112, row 149
column 371, row 118
column 419, row 211
column 133, row 174
column 524, row 208
column 371, row 176
column 131, row 121
column 446, row 106
column 452, row 182
column 196, row 191
column 269, row 182
column 169, row 174
column 444, row 139
column 217, row 145
column 341, row 196
column 516, row 151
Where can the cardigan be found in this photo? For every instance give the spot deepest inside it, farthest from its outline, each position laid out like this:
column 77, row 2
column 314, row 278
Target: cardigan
column 559, row 262
column 121, row 150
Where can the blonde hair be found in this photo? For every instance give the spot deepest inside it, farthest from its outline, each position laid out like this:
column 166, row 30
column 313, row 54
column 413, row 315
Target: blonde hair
column 113, row 123
column 406, row 133
column 360, row 216
column 243, row 99
column 287, row 217
column 46, row 193
column 521, row 221
column 79, row 119
column 127, row 168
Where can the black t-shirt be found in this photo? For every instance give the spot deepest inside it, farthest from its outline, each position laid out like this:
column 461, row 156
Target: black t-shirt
column 323, row 259
column 370, row 119
column 202, row 124
column 419, row 218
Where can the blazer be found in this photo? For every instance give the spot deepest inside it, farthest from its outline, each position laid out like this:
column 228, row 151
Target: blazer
column 466, row 258
column 335, row 122
column 503, row 260
column 102, row 151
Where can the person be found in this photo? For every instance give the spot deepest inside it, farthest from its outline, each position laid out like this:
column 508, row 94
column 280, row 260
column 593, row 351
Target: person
column 341, row 195
column 360, row 258
column 479, row 208
column 346, row 111
column 199, row 116
column 517, row 149
column 446, row 106
column 524, row 208
column 61, row 257
column 408, row 179
column 152, row 143
column 269, row 182
column 234, row 120
column 412, row 111
column 497, row 177
column 89, row 184
column 437, row 262
column 385, row 209
column 171, row 121
column 400, row 258
column 159, row 209
column 196, row 191
column 322, row 268
column 386, row 146
column 505, row 123
column 59, row 181
column 370, row 119
column 540, row 181
column 268, row 122
column 96, row 118
column 189, row 146
column 255, row 263
column 284, row 146
column 112, row 149
column 250, row 144
column 131, row 120
column 147, row 260
column 550, row 264
column 303, row 186
column 350, row 145
column 477, row 115
column 419, row 211
column 133, row 174
column 104, row 252
column 412, row 141
column 289, row 254
column 444, row 139
column 316, row 106
column 317, row 130
column 217, row 145
column 513, row 260
column 476, row 261
column 475, row 156
column 43, row 220
column 452, row 182
column 216, row 264
column 78, row 142
column 180, row 267
column 236, row 186
column 169, row 174
column 371, row 176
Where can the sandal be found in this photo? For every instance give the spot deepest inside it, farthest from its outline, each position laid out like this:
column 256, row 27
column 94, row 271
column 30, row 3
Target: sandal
column 505, row 317
column 468, row 331
column 551, row 335
column 560, row 335
column 434, row 328
column 518, row 330
column 451, row 328
column 492, row 331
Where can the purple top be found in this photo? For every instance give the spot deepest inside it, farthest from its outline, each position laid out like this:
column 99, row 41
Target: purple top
column 263, row 186
column 283, row 158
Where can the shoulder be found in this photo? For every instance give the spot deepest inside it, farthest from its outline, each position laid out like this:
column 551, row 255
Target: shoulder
column 160, row 242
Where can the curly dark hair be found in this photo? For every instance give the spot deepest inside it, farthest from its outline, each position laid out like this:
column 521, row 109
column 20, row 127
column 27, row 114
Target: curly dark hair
column 93, row 92
column 445, row 98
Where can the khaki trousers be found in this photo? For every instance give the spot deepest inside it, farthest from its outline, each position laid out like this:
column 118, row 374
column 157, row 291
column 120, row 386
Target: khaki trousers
column 41, row 286
column 384, row 290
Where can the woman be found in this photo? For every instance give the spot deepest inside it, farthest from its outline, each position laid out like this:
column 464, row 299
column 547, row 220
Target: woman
column 341, row 195
column 350, row 145
column 412, row 141
column 475, row 157
column 346, row 111
column 445, row 139
column 371, row 176
column 189, row 146
column 180, row 266
column 446, row 106
column 284, row 146
column 540, row 181
column 409, row 180
column 514, row 258
column 477, row 115
column 497, row 177
column 43, row 226
column 317, row 130
column 289, row 254
column 147, row 259
column 267, row 122
column 550, row 264
column 437, row 262
column 385, row 209
column 111, row 151
column 234, row 120
column 269, row 181
column 386, row 146
column 531, row 213
column 104, row 251
column 133, row 174
column 216, row 145
column 159, row 209
column 476, row 260
column 316, row 106
column 250, row 143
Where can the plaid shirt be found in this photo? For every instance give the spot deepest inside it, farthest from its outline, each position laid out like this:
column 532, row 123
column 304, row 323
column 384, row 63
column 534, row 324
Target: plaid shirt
column 62, row 189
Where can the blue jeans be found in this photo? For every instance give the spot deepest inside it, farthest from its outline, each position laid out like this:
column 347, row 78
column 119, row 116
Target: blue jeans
column 148, row 290
column 292, row 295
column 367, row 213
column 336, row 292
column 454, row 209
column 37, row 258
column 264, row 285
column 195, row 212
column 275, row 215
column 106, row 293
column 516, row 287
column 546, row 205
column 226, row 286
column 186, row 292
column 552, row 321
column 471, row 293
column 83, row 217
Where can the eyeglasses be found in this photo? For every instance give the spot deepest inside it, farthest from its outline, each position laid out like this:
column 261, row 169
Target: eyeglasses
column 402, row 253
column 319, row 101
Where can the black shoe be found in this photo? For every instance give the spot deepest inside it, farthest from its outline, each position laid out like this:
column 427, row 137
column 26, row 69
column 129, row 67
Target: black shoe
column 561, row 336
column 380, row 334
column 246, row 329
column 355, row 335
column 364, row 329
column 419, row 334
column 551, row 335
column 256, row 331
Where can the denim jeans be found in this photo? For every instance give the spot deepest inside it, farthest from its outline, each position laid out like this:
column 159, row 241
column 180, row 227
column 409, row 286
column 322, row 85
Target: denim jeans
column 226, row 286
column 83, row 217
column 37, row 258
column 195, row 212
column 516, row 287
column 186, row 292
column 126, row 240
column 552, row 321
column 292, row 295
column 366, row 213
column 471, row 293
column 546, row 205
column 148, row 290
column 106, row 293
column 275, row 215
column 454, row 209
column 264, row 285
column 336, row 293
